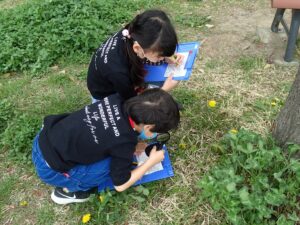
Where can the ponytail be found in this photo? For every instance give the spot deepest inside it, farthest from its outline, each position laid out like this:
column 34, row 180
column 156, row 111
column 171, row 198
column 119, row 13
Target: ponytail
column 136, row 66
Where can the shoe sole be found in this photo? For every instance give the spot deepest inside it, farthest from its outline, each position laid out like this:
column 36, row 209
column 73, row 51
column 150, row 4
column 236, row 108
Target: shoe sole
column 64, row 201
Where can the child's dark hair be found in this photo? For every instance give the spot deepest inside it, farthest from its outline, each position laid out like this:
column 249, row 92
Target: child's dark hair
column 153, row 31
column 154, row 106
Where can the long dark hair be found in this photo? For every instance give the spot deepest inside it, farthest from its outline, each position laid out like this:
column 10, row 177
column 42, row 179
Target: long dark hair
column 154, row 106
column 153, row 31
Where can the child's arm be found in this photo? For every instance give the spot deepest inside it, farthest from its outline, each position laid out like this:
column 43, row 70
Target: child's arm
column 169, row 83
column 136, row 174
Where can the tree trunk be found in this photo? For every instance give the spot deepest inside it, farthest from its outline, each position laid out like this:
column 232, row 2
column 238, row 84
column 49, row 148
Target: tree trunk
column 287, row 124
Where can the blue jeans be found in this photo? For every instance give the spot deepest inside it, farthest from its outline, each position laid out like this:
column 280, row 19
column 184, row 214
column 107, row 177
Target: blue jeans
column 79, row 178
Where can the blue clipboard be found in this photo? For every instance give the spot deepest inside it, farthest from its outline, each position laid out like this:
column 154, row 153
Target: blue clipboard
column 158, row 175
column 156, row 73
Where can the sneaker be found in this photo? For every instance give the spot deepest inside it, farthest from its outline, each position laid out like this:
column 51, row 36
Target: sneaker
column 62, row 196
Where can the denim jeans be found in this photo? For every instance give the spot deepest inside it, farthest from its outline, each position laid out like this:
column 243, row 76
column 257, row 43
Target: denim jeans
column 79, row 178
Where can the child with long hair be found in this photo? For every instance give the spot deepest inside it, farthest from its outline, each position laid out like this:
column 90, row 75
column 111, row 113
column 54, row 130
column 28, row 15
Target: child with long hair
column 118, row 65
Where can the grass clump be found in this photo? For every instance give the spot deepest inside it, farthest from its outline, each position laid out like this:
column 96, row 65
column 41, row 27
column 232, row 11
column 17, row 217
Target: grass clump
column 254, row 182
column 111, row 207
column 45, row 215
column 249, row 63
column 18, row 136
column 36, row 35
column 6, row 113
column 191, row 21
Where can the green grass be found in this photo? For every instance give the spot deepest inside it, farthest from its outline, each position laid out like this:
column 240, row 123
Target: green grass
column 248, row 64
column 45, row 215
column 239, row 82
column 254, row 182
column 213, row 64
column 36, row 35
column 189, row 20
column 6, row 188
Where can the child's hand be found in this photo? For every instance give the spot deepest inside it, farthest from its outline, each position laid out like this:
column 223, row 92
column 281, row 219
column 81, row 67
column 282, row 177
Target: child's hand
column 175, row 59
column 140, row 148
column 169, row 83
column 156, row 156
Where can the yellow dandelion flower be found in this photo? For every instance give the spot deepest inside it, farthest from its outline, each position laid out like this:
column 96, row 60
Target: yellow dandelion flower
column 23, row 203
column 273, row 103
column 182, row 145
column 233, row 131
column 212, row 103
column 101, row 198
column 86, row 218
